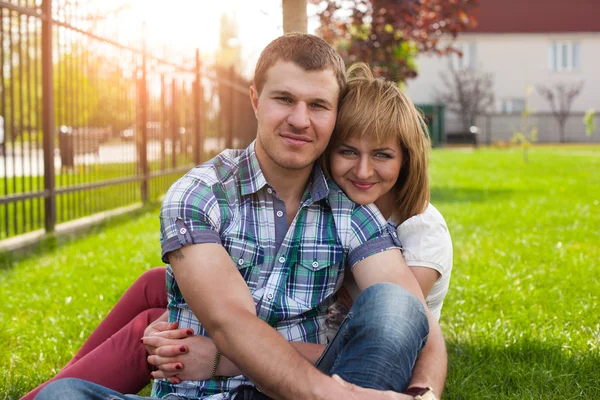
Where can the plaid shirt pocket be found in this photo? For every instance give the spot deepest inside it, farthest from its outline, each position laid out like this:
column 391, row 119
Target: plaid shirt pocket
column 316, row 275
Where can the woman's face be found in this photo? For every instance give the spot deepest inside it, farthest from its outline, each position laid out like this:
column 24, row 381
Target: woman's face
column 366, row 170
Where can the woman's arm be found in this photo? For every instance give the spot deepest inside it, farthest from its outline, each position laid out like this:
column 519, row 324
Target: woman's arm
column 427, row 249
column 428, row 252
column 434, row 353
column 426, row 277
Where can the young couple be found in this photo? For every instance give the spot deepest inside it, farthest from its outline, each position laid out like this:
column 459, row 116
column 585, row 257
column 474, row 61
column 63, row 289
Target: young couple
column 259, row 242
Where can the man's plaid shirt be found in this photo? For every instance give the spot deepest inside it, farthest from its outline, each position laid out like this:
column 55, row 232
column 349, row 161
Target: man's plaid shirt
column 292, row 273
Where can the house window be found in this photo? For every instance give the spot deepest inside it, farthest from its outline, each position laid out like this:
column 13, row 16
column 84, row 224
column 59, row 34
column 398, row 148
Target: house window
column 468, row 59
column 564, row 56
column 511, row 106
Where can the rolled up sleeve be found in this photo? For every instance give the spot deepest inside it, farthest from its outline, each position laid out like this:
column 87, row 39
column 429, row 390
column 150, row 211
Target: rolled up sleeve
column 190, row 214
column 369, row 234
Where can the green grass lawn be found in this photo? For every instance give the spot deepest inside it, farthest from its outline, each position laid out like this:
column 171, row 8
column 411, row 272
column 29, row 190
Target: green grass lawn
column 521, row 318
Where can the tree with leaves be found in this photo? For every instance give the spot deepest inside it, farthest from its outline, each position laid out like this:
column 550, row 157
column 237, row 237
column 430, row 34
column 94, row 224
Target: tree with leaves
column 560, row 96
column 388, row 34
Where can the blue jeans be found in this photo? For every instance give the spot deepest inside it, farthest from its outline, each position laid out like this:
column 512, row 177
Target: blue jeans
column 378, row 343
column 77, row 389
column 376, row 347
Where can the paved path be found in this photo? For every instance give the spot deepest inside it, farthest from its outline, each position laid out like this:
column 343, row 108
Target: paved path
column 30, row 162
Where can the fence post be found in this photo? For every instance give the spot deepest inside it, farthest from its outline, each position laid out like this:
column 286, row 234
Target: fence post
column 163, row 123
column 142, row 125
column 230, row 110
column 198, row 129
column 174, row 123
column 48, row 127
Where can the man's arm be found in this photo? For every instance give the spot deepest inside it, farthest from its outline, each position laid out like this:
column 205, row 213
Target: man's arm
column 219, row 297
column 389, row 266
column 198, row 367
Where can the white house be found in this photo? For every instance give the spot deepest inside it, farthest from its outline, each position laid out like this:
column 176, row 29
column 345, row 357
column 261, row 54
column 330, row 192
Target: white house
column 525, row 44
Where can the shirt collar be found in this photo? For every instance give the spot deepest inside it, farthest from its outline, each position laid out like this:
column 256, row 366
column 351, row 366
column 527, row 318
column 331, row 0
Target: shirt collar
column 252, row 178
column 319, row 189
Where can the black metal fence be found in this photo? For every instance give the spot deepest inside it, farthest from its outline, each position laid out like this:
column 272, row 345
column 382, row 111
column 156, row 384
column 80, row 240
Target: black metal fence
column 88, row 124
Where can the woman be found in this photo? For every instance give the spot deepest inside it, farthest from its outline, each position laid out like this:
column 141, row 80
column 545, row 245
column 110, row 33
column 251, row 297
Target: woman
column 379, row 154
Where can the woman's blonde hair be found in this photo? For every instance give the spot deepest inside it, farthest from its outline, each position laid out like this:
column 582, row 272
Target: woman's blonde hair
column 376, row 109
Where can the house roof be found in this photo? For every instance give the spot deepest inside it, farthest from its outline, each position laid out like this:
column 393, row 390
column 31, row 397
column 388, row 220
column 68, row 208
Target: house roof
column 537, row 16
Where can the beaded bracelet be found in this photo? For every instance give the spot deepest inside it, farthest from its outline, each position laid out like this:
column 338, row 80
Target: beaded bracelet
column 215, row 364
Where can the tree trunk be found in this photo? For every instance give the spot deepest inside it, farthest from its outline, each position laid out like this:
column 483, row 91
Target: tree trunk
column 465, row 120
column 561, row 127
column 294, row 16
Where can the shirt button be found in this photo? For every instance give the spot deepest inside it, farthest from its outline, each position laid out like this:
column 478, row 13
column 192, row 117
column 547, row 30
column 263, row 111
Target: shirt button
column 281, row 260
column 280, row 214
column 269, row 190
column 183, row 231
column 270, row 296
column 240, row 261
column 315, row 264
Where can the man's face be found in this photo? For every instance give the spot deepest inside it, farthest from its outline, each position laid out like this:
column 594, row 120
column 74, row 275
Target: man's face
column 296, row 113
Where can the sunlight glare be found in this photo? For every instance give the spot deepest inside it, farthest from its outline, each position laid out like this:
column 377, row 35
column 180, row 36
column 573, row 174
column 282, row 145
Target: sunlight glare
column 176, row 28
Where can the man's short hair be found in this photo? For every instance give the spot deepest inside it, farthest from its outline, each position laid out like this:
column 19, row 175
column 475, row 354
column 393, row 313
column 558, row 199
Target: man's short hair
column 309, row 52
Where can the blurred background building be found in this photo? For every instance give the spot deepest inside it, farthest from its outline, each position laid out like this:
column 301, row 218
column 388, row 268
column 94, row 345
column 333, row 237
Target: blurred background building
column 537, row 52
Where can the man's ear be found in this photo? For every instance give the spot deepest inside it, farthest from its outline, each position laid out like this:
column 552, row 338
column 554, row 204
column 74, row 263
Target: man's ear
column 254, row 99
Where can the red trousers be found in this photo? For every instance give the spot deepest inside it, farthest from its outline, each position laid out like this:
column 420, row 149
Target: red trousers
column 113, row 355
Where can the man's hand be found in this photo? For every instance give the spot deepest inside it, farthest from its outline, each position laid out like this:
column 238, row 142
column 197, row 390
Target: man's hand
column 158, row 323
column 359, row 393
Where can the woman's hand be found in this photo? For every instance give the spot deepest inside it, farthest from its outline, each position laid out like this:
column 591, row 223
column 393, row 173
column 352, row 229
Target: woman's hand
column 162, row 328
column 189, row 358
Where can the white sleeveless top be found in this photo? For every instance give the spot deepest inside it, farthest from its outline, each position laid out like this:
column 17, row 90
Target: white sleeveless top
column 426, row 243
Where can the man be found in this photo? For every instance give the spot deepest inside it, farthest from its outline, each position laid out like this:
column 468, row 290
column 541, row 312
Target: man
column 257, row 243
